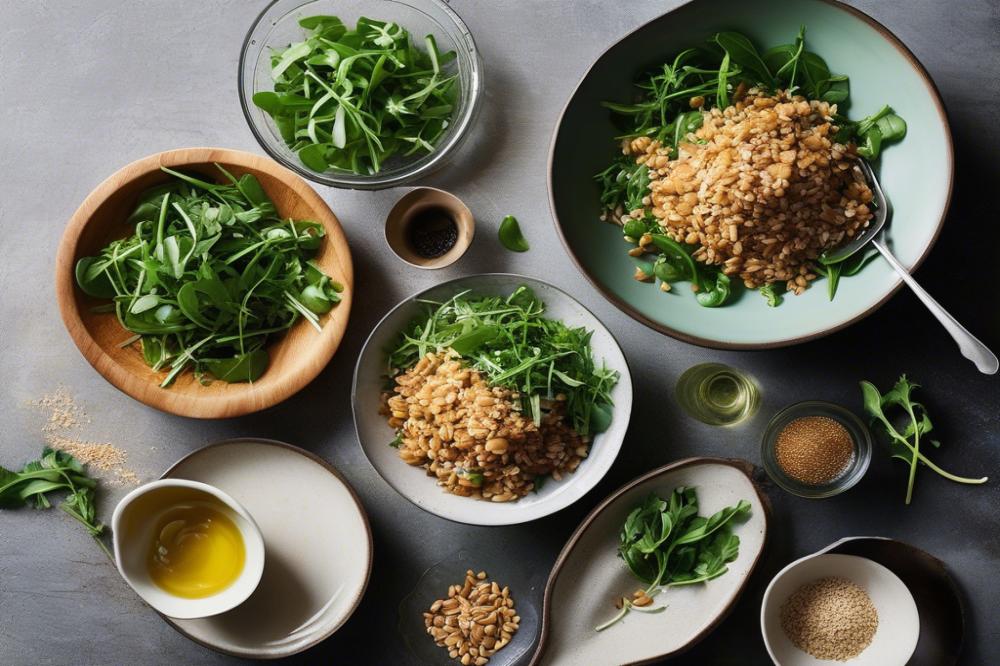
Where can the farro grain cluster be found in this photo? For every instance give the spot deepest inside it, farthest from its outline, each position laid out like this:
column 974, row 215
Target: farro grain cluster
column 473, row 437
column 475, row 621
column 762, row 189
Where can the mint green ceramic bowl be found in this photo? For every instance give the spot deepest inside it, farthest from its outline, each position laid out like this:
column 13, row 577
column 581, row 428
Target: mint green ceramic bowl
column 916, row 173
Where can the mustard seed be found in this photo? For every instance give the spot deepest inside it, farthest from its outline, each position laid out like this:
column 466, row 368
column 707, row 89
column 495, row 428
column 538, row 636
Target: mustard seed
column 814, row 449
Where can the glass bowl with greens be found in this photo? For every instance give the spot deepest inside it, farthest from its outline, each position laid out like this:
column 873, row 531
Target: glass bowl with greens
column 360, row 94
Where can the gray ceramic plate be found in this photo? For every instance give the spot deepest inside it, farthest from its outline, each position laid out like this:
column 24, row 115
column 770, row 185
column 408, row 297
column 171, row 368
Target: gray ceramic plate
column 916, row 173
column 374, row 432
column 588, row 575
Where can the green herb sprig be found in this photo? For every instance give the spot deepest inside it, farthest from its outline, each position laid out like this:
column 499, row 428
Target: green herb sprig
column 511, row 343
column 55, row 472
column 713, row 73
column 348, row 100
column 904, row 443
column 665, row 543
column 210, row 275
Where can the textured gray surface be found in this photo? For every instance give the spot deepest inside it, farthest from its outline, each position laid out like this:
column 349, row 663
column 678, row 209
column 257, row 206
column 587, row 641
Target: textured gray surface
column 90, row 86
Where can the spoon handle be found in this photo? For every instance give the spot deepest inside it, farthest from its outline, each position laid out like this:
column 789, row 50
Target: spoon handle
column 968, row 344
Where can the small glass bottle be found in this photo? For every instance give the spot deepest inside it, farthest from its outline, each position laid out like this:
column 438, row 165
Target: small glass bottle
column 717, row 394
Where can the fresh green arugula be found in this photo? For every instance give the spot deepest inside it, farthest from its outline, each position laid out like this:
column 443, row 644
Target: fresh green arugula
column 665, row 543
column 511, row 236
column 210, row 275
column 55, row 472
column 349, row 99
column 511, row 343
column 904, row 443
column 713, row 73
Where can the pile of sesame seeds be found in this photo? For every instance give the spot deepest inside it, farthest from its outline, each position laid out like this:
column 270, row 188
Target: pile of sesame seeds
column 830, row 618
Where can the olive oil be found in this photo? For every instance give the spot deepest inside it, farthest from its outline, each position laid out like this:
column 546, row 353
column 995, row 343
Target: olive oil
column 717, row 394
column 197, row 550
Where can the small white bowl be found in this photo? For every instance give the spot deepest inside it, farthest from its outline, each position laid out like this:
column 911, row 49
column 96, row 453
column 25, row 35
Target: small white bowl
column 133, row 525
column 898, row 621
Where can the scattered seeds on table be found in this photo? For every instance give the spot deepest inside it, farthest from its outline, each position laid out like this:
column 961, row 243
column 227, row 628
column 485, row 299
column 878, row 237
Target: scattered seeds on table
column 474, row 621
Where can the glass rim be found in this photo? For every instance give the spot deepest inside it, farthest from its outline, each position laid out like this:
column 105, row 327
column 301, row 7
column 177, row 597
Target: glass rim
column 406, row 173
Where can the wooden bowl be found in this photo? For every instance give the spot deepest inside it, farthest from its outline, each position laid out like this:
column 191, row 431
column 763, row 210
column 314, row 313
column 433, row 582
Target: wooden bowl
column 296, row 357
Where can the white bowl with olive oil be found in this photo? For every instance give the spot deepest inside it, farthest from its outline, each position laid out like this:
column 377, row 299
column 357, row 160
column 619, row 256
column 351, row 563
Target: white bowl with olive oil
column 187, row 548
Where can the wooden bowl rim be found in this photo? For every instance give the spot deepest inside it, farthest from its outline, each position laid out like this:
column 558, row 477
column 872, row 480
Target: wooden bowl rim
column 249, row 398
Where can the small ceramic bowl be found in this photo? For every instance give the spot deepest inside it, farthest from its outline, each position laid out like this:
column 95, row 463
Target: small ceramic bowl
column 297, row 356
column 898, row 621
column 419, row 202
column 851, row 475
column 133, row 523
column 278, row 26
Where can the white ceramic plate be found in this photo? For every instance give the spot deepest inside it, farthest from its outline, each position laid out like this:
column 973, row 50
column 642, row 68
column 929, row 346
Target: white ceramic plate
column 898, row 621
column 374, row 432
column 589, row 575
column 317, row 540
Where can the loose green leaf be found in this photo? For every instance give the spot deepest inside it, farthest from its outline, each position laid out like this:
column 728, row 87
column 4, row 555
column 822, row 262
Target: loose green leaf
column 510, row 235
column 905, row 444
column 54, row 472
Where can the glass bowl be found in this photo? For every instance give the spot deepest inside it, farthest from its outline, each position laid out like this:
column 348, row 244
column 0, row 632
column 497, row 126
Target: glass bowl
column 277, row 27
column 850, row 476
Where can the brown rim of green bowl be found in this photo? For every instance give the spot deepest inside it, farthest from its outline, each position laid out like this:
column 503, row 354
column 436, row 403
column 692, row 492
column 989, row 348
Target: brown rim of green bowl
column 633, row 312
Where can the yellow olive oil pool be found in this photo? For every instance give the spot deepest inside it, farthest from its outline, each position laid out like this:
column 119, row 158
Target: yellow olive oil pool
column 196, row 550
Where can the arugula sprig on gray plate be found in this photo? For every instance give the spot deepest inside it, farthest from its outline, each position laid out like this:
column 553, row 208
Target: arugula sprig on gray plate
column 211, row 274
column 665, row 543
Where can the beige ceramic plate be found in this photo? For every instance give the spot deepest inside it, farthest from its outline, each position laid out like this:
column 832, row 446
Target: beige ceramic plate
column 317, row 540
column 588, row 574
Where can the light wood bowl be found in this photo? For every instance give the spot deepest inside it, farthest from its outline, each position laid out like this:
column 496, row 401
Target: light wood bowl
column 296, row 357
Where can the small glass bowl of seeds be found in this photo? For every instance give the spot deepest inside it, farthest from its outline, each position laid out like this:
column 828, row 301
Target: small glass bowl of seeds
column 816, row 449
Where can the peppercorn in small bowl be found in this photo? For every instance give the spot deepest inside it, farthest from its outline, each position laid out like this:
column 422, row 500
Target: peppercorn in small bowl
column 816, row 449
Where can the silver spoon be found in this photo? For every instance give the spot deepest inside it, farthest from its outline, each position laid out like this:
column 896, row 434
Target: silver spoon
column 968, row 344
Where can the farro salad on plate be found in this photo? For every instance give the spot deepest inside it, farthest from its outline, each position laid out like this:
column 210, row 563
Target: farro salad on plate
column 738, row 167
column 492, row 398
column 509, row 394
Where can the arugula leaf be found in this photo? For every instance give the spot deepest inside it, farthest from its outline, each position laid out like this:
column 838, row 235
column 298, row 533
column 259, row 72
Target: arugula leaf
column 905, row 445
column 665, row 543
column 55, row 471
column 511, row 343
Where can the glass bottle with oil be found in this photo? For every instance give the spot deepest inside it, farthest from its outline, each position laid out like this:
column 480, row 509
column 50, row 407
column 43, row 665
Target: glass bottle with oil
column 717, row 394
